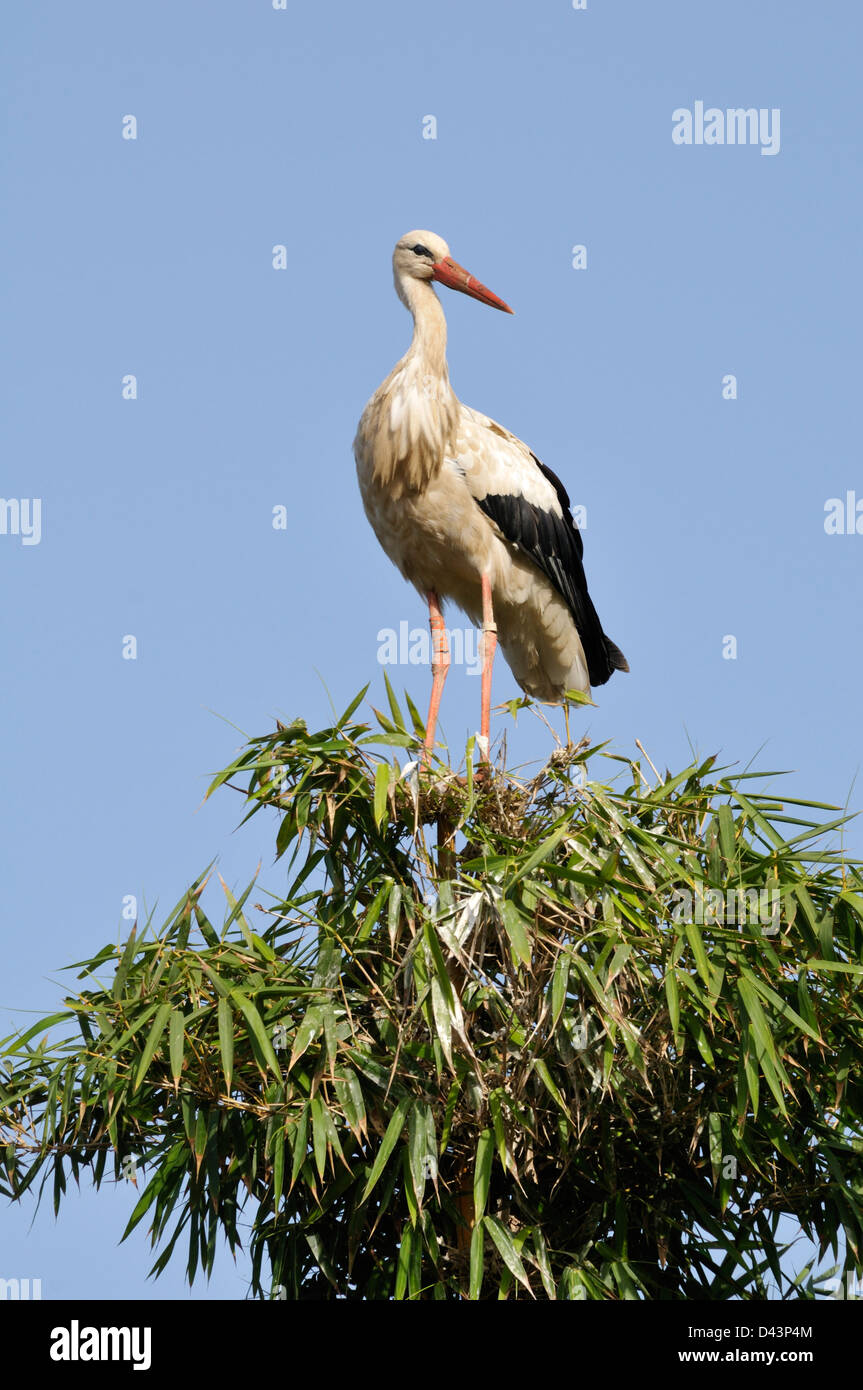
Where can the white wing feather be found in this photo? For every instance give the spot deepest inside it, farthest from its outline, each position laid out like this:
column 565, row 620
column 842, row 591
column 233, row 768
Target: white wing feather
column 494, row 462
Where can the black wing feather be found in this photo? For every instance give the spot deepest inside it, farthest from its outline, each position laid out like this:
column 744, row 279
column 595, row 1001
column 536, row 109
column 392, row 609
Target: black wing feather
column 555, row 545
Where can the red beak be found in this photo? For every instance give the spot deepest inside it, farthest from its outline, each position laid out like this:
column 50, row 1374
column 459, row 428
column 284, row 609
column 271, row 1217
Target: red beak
column 455, row 277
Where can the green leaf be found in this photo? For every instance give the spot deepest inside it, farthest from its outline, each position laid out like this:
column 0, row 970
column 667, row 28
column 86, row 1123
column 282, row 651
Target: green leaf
column 543, row 1263
column 152, row 1043
column 507, row 1250
column 672, row 998
column 784, row 1009
column 396, row 713
column 125, row 962
column 263, row 1048
column 40, row 1027
column 477, row 1260
column 440, row 965
column 226, row 1040
column 515, row 929
column 422, row 1159
column 482, row 1172
column 559, row 986
column 382, row 785
column 316, row 1245
column 442, row 1019
column 765, row 1047
column 726, row 832
column 714, row 1123
column 319, row 1135
column 419, row 727
column 543, row 852
column 839, row 965
column 374, row 910
column 353, row 707
column 696, row 941
column 278, row 1164
column 496, row 1111
column 350, row 1097
column 200, row 1142
column 312, row 1024
column 299, row 1139
column 404, row 1260
column 394, row 908
column 388, row 1143
column 542, row 1071
column 176, row 1040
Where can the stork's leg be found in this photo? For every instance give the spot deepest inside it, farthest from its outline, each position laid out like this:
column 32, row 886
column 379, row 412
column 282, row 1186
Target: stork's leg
column 440, row 665
column 489, row 646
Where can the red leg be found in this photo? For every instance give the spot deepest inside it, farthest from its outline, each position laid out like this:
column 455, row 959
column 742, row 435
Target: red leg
column 440, row 666
column 489, row 646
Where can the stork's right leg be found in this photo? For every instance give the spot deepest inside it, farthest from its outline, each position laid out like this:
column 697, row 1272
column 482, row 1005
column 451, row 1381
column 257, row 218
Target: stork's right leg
column 489, row 646
column 440, row 665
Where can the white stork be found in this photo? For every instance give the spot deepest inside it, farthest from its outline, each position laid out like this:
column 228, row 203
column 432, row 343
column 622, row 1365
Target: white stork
column 468, row 513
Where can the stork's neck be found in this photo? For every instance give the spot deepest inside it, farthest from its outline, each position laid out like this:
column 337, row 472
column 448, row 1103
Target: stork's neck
column 412, row 419
column 428, row 346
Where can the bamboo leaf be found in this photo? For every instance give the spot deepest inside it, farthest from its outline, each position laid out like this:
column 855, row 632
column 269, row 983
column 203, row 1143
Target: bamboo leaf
column 696, row 941
column 382, row 784
column 278, row 1165
column 152, row 1043
column 350, row 1097
column 265, row 1055
column 433, row 943
column 482, row 1172
column 404, row 1260
column 319, row 1135
column 542, row 1071
column 477, row 1260
column 543, row 852
column 388, row 1143
column 672, row 997
column 226, row 1040
column 353, row 707
column 442, row 1019
column 398, row 717
column 516, row 931
column 299, row 1142
column 176, row 1040
column 312, row 1024
column 559, row 987
column 422, row 1161
column 507, row 1250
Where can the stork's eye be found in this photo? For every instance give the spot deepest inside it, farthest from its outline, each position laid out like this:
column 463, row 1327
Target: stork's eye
column 422, row 251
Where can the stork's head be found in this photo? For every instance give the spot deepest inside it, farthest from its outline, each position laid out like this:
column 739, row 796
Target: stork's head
column 424, row 256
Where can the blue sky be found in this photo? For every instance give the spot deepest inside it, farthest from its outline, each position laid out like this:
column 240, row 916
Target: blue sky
column 153, row 257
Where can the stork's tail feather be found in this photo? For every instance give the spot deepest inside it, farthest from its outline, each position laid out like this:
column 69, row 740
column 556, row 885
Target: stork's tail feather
column 612, row 660
column 617, row 660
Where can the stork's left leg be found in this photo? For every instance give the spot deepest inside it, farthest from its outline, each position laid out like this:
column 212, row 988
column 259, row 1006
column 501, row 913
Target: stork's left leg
column 489, row 646
column 440, row 666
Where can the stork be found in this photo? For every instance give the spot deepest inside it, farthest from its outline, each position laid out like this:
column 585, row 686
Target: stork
column 469, row 514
